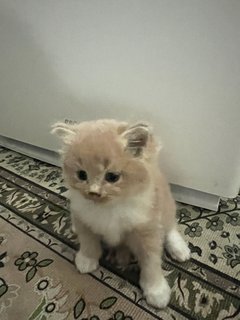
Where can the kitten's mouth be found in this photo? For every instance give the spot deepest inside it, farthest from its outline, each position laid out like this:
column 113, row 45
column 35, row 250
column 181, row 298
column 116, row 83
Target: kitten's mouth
column 95, row 197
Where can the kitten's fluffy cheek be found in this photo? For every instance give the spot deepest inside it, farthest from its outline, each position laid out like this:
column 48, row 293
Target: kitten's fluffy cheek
column 76, row 185
column 135, row 181
column 112, row 191
column 70, row 176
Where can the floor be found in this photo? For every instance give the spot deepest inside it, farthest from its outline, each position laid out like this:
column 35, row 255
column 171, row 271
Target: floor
column 38, row 279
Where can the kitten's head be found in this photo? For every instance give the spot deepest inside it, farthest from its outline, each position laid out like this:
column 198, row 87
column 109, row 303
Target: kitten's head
column 106, row 159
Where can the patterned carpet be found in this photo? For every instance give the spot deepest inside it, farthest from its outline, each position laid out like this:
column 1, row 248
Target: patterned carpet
column 38, row 279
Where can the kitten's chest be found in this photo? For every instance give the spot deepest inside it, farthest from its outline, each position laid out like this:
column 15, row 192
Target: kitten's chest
column 111, row 222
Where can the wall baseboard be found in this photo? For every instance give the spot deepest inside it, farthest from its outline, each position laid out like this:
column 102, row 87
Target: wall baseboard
column 195, row 197
column 180, row 193
column 30, row 150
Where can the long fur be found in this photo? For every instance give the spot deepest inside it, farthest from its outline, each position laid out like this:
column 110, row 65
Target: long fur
column 137, row 211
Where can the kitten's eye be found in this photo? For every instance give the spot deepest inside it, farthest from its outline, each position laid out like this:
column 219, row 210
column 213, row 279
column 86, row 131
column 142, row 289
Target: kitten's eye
column 112, row 177
column 82, row 175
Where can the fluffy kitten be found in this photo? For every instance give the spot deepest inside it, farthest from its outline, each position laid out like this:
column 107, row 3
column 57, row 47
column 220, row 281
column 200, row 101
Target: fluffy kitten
column 119, row 195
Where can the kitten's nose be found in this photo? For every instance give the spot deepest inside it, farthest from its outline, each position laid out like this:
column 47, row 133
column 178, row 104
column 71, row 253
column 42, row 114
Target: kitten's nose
column 94, row 191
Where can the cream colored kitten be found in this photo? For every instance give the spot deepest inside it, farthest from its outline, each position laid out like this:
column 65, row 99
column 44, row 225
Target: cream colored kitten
column 118, row 195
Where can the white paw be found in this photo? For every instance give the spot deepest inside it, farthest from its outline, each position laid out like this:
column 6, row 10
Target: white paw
column 85, row 264
column 177, row 247
column 159, row 295
column 179, row 252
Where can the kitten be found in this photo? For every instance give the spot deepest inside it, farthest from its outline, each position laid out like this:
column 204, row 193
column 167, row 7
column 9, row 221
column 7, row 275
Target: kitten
column 118, row 195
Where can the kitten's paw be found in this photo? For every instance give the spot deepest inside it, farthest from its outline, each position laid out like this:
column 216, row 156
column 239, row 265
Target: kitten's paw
column 85, row 264
column 180, row 253
column 177, row 247
column 159, row 295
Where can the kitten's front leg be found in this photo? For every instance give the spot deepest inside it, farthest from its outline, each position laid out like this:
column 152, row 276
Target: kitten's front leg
column 176, row 246
column 147, row 248
column 87, row 258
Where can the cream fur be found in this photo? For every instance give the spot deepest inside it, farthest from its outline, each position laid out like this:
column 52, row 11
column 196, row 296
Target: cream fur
column 112, row 220
column 137, row 211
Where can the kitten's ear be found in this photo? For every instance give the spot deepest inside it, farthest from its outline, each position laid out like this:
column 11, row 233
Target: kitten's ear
column 136, row 138
column 65, row 131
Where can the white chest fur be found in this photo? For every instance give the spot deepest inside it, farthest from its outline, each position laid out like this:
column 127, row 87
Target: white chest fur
column 111, row 220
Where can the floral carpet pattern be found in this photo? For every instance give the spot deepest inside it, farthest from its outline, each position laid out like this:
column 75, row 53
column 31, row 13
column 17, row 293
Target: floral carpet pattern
column 38, row 279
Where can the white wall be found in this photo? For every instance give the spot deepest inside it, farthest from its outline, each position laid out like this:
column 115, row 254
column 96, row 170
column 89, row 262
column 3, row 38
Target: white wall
column 174, row 63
